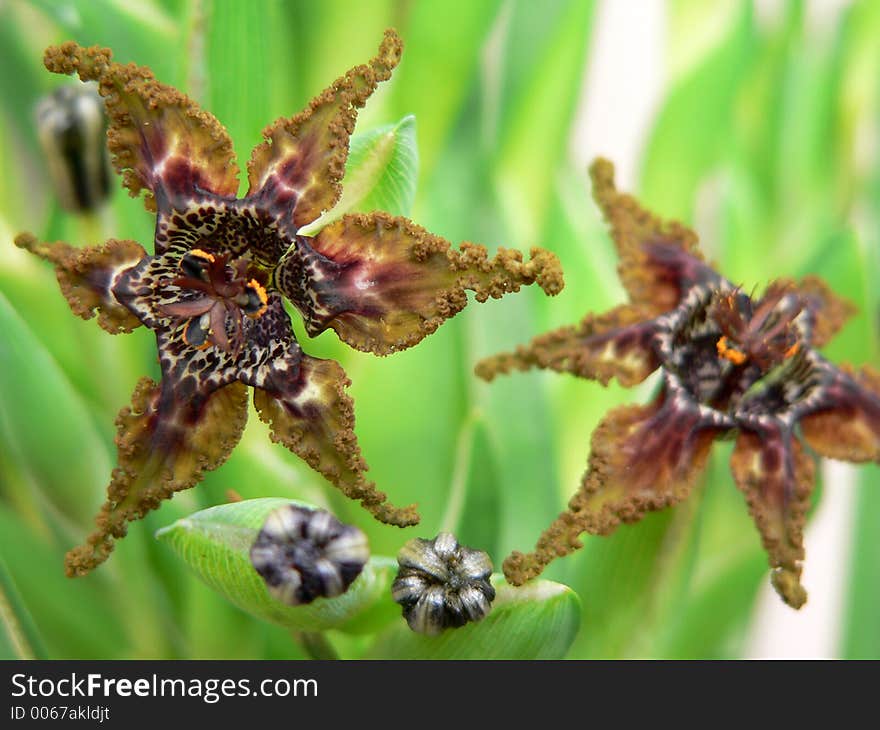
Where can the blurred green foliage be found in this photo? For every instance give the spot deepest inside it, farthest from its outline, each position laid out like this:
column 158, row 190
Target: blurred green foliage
column 767, row 137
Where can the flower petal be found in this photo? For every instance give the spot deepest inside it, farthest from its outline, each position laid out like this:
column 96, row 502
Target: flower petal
column 87, row 275
column 160, row 140
column 384, row 283
column 295, row 173
column 776, row 476
column 847, row 424
column 643, row 458
column 304, row 402
column 615, row 344
column 830, row 312
column 166, row 439
column 659, row 260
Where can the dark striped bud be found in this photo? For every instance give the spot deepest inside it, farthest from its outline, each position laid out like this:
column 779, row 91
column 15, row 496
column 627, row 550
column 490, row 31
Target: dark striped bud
column 442, row 584
column 304, row 554
column 72, row 129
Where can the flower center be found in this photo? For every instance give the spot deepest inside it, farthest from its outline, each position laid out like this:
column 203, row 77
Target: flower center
column 763, row 333
column 216, row 296
column 723, row 345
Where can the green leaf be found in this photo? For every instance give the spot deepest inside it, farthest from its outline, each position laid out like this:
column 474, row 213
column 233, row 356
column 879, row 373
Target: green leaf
column 40, row 412
column 381, row 173
column 541, row 79
column 249, row 53
column 215, row 543
column 428, row 64
column 861, row 639
column 537, row 621
column 78, row 619
column 694, row 124
column 19, row 638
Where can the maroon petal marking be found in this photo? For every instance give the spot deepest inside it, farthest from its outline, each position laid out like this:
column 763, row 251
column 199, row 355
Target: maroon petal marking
column 159, row 139
column 659, row 260
column 845, row 423
column 304, row 402
column 166, row 439
column 295, row 173
column 384, row 283
column 86, row 277
column 643, row 458
column 777, row 477
column 617, row 344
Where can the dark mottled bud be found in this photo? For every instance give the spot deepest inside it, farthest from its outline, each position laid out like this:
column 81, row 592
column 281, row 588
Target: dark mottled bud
column 71, row 126
column 442, row 584
column 304, row 554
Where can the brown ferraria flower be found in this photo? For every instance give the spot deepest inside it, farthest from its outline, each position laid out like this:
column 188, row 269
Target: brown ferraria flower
column 212, row 291
column 730, row 363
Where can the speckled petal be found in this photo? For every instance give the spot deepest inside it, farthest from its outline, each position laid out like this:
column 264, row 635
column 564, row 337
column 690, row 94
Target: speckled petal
column 617, row 344
column 776, row 476
column 659, row 260
column 829, row 311
column 86, row 277
column 296, row 172
column 643, row 458
column 304, row 402
column 384, row 283
column 159, row 139
column 846, row 426
column 169, row 436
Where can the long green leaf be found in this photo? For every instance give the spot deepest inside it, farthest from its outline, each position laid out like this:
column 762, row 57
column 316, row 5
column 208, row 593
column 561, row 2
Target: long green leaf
column 19, row 638
column 861, row 635
column 61, row 450
column 427, row 64
column 695, row 122
column 78, row 619
column 540, row 88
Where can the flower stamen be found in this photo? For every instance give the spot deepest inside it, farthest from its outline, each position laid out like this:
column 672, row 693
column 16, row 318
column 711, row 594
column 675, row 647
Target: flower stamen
column 730, row 353
column 224, row 297
column 256, row 300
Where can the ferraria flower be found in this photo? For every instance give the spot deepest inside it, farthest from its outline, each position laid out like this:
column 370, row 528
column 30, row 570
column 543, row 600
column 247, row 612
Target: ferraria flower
column 212, row 290
column 731, row 364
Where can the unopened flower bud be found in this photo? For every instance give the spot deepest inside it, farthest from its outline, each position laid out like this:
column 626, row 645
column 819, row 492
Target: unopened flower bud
column 72, row 130
column 442, row 584
column 304, row 554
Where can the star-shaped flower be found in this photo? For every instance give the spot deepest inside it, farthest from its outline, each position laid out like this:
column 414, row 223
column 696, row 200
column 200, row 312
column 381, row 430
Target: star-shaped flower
column 212, row 291
column 730, row 364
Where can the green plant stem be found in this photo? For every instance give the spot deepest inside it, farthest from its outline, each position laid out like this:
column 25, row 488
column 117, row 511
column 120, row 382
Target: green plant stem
column 315, row 644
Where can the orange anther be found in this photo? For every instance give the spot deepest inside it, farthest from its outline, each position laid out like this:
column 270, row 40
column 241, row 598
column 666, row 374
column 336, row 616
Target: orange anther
column 730, row 353
column 202, row 254
column 264, row 298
